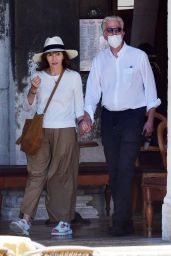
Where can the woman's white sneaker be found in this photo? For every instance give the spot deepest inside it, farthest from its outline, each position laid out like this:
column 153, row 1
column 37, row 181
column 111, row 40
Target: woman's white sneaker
column 61, row 229
column 20, row 227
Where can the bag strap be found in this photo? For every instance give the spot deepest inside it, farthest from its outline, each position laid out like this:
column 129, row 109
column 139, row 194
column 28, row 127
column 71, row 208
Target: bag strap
column 53, row 91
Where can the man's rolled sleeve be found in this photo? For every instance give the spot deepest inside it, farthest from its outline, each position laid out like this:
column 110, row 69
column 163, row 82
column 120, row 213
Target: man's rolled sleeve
column 93, row 90
column 153, row 104
column 89, row 109
column 149, row 84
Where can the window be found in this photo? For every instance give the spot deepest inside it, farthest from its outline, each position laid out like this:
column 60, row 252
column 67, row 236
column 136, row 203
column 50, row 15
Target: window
column 125, row 4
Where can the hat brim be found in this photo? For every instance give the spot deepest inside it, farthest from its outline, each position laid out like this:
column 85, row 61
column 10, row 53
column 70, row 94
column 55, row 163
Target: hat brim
column 71, row 54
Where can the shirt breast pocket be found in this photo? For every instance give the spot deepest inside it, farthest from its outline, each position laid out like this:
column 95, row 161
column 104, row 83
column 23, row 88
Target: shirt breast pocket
column 129, row 75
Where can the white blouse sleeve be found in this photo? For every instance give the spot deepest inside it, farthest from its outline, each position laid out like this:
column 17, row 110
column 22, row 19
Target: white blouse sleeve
column 26, row 105
column 78, row 96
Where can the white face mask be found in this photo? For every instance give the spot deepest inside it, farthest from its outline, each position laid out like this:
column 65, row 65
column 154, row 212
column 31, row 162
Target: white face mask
column 115, row 40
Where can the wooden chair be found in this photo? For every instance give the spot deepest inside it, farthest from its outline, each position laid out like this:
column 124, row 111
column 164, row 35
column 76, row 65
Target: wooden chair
column 162, row 141
column 63, row 250
column 145, row 162
column 6, row 252
column 154, row 184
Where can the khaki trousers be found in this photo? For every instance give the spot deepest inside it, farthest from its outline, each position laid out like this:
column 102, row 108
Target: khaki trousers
column 56, row 165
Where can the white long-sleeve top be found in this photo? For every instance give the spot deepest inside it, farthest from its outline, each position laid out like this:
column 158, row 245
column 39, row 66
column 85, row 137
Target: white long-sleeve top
column 125, row 82
column 67, row 102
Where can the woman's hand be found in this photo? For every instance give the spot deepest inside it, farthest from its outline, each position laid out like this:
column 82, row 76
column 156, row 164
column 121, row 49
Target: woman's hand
column 84, row 127
column 35, row 83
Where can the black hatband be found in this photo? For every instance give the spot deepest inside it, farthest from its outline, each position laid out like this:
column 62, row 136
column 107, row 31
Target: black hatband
column 53, row 46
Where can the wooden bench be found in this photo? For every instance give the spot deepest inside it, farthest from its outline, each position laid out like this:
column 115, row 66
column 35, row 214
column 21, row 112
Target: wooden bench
column 90, row 174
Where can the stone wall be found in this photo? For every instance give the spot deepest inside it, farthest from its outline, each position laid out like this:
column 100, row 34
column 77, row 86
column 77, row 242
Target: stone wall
column 4, row 84
column 90, row 204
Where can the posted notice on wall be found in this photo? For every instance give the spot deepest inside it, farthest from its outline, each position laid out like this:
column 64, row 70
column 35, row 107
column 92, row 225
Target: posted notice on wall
column 91, row 41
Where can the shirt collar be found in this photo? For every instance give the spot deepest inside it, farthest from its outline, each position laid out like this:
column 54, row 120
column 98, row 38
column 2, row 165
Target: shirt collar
column 121, row 52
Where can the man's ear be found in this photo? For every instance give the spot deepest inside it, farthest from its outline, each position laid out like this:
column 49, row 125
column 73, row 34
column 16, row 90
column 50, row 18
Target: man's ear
column 105, row 35
column 123, row 34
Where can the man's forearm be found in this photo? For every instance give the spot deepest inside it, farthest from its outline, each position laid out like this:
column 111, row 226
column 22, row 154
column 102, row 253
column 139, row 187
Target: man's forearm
column 150, row 114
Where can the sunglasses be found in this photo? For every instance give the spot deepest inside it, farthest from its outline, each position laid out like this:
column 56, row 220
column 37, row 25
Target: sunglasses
column 113, row 30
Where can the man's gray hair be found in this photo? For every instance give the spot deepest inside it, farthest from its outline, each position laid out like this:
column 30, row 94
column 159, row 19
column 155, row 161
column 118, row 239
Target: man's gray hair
column 110, row 18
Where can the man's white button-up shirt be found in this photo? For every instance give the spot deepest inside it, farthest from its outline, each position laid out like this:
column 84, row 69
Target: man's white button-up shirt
column 125, row 82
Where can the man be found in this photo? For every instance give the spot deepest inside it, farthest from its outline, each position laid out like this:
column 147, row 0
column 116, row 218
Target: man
column 122, row 75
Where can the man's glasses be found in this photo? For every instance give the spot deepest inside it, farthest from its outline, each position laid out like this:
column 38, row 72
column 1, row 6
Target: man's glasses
column 114, row 30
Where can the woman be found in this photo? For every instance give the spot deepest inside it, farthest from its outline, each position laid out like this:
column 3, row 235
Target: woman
column 56, row 163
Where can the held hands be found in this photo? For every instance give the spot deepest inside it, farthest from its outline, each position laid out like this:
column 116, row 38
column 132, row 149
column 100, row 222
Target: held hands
column 85, row 124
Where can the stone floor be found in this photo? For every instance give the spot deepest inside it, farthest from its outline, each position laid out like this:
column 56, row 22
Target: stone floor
column 95, row 234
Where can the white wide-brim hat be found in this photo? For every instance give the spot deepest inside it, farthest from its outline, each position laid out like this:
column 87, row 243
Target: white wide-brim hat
column 54, row 44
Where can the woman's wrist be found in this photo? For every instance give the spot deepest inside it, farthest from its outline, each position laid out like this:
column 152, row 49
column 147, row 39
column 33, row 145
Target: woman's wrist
column 33, row 90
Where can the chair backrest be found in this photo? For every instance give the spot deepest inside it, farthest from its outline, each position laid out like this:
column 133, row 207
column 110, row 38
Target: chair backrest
column 160, row 117
column 6, row 252
column 64, row 250
column 162, row 141
column 150, row 148
column 153, row 146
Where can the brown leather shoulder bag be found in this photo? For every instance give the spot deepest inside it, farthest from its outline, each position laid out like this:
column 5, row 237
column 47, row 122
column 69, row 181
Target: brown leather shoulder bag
column 32, row 135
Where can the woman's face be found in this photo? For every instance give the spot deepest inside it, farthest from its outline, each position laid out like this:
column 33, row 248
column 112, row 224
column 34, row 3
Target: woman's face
column 55, row 59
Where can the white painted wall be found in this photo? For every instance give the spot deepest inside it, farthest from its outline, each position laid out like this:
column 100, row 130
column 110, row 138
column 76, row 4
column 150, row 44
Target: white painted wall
column 166, row 209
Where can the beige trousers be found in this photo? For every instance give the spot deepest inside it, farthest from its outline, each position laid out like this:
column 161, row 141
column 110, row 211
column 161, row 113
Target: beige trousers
column 56, row 165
